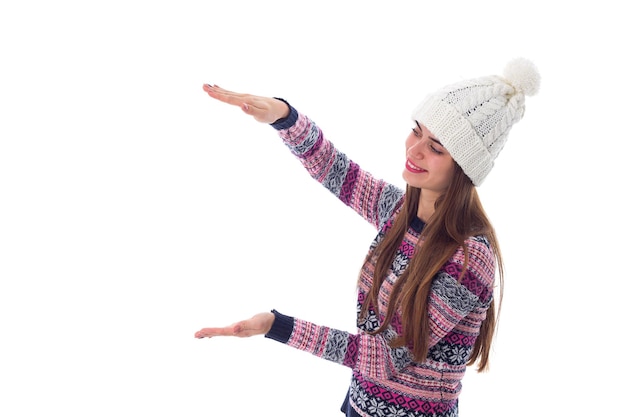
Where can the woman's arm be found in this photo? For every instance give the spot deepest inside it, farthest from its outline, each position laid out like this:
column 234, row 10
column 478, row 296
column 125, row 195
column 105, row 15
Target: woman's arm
column 370, row 355
column 373, row 199
column 456, row 301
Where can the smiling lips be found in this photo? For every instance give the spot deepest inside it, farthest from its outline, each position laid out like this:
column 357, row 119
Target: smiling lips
column 411, row 167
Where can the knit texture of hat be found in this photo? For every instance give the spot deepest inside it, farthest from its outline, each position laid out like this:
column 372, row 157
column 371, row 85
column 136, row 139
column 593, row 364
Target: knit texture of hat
column 472, row 118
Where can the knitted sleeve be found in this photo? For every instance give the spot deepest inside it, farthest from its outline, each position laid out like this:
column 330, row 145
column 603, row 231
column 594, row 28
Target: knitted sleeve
column 373, row 199
column 370, row 355
column 462, row 304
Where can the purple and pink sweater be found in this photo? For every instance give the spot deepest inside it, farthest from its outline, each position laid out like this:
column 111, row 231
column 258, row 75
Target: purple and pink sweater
column 387, row 381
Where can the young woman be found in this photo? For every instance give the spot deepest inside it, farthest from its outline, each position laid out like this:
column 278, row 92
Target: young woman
column 426, row 305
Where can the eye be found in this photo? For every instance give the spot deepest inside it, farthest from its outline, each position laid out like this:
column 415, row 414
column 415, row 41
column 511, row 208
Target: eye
column 435, row 150
column 417, row 132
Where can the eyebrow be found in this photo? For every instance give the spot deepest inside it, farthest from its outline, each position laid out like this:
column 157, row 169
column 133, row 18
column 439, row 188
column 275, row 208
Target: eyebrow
column 435, row 140
column 430, row 137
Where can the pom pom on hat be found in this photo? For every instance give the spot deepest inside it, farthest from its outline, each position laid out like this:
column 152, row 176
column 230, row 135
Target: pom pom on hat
column 472, row 118
column 523, row 75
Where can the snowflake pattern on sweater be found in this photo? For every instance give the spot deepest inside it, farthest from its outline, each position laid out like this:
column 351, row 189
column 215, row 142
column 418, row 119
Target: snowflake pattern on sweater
column 386, row 381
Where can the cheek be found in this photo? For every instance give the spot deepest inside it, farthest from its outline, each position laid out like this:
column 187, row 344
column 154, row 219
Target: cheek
column 447, row 170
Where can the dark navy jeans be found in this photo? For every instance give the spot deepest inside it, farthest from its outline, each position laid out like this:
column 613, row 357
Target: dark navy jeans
column 347, row 409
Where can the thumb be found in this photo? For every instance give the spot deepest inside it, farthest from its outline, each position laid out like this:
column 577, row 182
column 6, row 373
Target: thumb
column 246, row 108
column 238, row 328
column 242, row 328
column 259, row 114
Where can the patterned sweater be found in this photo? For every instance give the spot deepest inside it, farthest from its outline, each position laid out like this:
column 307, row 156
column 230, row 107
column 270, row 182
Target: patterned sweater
column 387, row 381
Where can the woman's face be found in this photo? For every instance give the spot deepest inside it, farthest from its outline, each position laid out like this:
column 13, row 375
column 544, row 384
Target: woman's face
column 428, row 165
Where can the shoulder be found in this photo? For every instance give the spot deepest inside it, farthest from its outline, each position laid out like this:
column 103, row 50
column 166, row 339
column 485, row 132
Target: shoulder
column 480, row 254
column 393, row 202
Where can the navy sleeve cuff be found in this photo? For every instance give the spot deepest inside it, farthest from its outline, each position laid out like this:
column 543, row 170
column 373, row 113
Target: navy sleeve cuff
column 286, row 122
column 282, row 328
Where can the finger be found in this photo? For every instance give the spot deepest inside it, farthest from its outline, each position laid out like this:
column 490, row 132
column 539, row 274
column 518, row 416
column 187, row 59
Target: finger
column 222, row 92
column 254, row 106
column 225, row 96
column 215, row 331
column 225, row 91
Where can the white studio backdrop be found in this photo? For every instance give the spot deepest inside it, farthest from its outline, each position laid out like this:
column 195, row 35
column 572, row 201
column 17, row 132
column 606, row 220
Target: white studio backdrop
column 134, row 210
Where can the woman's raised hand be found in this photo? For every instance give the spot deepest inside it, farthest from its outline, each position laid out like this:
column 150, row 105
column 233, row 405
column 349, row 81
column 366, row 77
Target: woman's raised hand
column 260, row 324
column 263, row 109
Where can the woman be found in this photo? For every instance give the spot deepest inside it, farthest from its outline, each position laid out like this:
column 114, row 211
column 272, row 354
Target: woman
column 426, row 305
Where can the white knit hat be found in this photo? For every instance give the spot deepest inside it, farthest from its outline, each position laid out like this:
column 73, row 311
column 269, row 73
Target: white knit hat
column 472, row 118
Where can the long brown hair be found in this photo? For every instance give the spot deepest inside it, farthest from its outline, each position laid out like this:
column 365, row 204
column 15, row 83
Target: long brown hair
column 458, row 215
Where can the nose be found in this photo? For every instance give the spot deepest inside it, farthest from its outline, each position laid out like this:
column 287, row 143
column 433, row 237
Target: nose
column 416, row 149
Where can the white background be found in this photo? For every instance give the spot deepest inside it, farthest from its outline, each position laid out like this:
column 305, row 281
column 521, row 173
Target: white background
column 134, row 210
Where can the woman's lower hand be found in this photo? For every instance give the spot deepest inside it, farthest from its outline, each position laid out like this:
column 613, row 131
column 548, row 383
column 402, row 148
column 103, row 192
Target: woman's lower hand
column 263, row 109
column 259, row 324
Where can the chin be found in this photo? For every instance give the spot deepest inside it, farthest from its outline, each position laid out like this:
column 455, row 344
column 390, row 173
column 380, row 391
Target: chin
column 414, row 184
